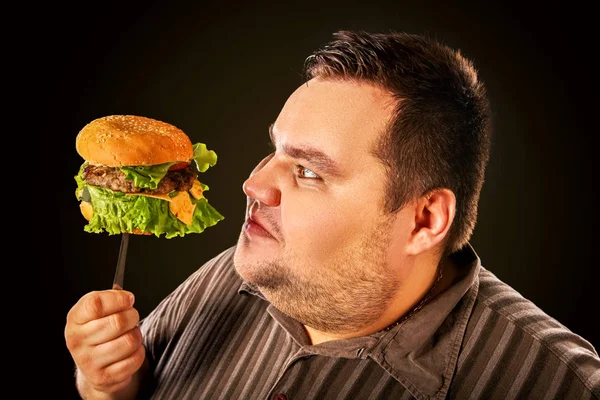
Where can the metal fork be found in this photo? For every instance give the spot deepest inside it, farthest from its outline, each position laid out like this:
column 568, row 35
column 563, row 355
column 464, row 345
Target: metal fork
column 120, row 272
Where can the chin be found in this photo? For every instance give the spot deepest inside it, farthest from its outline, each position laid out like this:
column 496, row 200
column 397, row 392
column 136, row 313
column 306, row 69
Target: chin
column 244, row 261
column 255, row 263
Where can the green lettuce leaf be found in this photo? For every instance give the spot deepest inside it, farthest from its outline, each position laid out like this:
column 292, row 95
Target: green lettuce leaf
column 204, row 158
column 80, row 182
column 116, row 212
column 150, row 176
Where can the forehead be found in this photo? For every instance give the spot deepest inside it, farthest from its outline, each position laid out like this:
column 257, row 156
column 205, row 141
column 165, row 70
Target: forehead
column 344, row 119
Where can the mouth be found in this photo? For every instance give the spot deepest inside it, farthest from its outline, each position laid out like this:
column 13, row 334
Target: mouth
column 253, row 227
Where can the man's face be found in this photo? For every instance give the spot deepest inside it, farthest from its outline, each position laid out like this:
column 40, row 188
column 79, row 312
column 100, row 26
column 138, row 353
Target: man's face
column 316, row 238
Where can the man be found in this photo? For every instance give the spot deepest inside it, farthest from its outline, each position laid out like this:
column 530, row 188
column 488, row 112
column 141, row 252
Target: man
column 353, row 276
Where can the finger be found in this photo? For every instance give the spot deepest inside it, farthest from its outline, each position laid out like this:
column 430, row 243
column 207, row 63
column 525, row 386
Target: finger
column 123, row 369
column 105, row 354
column 108, row 328
column 98, row 304
column 119, row 372
column 115, row 387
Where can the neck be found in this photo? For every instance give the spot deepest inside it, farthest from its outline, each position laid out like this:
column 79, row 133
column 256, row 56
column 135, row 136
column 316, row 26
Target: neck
column 419, row 287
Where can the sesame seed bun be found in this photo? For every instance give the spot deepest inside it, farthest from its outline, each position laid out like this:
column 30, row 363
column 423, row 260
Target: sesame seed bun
column 130, row 140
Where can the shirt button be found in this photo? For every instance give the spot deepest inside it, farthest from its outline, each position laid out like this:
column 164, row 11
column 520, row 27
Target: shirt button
column 280, row 396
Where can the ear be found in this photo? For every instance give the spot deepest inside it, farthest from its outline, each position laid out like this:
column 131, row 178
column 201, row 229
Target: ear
column 433, row 216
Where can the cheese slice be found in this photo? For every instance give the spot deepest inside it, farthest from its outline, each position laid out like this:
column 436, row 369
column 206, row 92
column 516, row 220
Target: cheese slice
column 182, row 207
column 86, row 210
column 196, row 189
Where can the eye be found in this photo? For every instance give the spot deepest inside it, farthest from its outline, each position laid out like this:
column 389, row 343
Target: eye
column 306, row 173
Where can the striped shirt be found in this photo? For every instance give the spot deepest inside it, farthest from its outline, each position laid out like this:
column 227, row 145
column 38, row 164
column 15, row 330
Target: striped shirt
column 217, row 337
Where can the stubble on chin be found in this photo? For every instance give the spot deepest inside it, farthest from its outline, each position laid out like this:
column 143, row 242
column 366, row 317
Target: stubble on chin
column 347, row 294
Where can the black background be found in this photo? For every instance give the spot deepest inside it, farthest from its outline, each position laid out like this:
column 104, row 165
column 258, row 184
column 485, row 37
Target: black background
column 222, row 74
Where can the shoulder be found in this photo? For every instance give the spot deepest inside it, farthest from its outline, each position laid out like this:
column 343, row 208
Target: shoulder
column 524, row 348
column 216, row 278
column 513, row 308
column 223, row 261
column 215, row 274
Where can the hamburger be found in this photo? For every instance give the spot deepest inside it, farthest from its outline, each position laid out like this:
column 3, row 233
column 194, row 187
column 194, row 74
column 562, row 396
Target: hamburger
column 140, row 176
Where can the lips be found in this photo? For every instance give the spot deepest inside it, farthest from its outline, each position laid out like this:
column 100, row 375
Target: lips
column 256, row 228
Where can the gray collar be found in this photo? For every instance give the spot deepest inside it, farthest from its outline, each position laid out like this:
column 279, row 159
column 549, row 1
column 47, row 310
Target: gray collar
column 422, row 352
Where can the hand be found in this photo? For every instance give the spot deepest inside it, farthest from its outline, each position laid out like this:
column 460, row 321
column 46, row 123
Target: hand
column 102, row 336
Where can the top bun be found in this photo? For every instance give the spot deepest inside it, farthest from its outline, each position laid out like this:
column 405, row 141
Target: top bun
column 130, row 140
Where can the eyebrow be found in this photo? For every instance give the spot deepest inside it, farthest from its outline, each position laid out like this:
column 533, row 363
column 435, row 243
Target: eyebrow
column 316, row 157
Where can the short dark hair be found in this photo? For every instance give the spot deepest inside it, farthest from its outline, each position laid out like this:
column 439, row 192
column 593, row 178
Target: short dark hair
column 440, row 135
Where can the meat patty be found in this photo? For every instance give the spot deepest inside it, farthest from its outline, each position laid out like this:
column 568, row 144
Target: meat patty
column 112, row 178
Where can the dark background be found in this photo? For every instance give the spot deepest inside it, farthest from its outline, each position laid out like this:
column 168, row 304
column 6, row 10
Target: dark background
column 222, row 74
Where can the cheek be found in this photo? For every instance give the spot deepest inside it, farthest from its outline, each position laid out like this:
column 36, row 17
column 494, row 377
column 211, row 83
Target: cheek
column 320, row 225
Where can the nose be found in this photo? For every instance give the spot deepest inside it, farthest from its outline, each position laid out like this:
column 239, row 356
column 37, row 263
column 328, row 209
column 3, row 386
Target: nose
column 261, row 184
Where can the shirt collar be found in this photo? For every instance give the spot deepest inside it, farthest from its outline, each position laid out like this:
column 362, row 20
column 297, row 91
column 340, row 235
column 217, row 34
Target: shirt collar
column 251, row 288
column 421, row 353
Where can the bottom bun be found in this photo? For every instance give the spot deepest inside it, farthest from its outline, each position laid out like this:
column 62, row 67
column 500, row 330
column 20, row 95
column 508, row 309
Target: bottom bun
column 137, row 231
